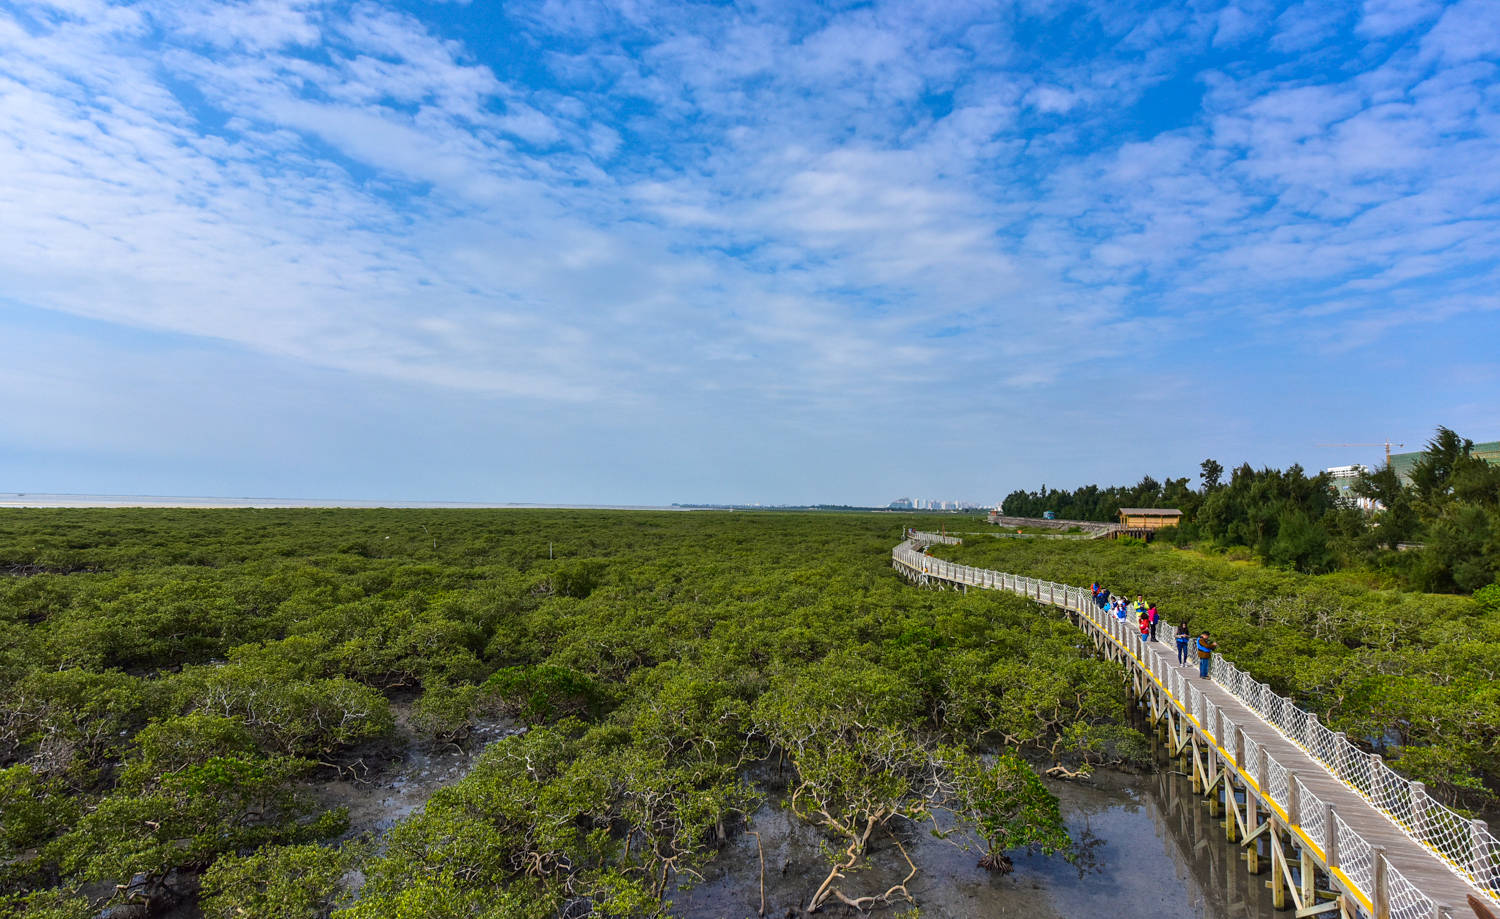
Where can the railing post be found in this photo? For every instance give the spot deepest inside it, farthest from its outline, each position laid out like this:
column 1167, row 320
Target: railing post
column 1381, row 895
column 1480, row 860
column 1293, row 800
column 1263, row 776
column 1419, row 810
column 1331, row 851
column 1239, row 748
column 1340, row 739
column 1310, row 731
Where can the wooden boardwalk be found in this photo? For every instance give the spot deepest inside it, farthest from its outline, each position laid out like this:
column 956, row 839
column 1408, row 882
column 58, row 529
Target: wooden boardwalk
column 1339, row 831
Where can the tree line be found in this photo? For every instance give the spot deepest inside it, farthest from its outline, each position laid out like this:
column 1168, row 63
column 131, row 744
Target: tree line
column 1409, row 675
column 1439, row 530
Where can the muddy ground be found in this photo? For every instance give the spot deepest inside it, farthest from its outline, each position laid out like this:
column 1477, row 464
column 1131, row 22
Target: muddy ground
column 1146, row 849
column 385, row 786
column 1142, row 857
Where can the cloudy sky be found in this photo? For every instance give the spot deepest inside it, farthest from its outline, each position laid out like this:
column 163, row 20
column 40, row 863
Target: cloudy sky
column 635, row 252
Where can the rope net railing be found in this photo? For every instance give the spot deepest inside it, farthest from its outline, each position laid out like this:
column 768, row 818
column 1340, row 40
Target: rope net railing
column 1312, row 813
column 1466, row 846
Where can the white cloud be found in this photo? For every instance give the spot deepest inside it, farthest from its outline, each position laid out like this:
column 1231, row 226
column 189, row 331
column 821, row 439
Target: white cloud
column 782, row 206
column 1468, row 30
column 1380, row 18
column 1234, row 24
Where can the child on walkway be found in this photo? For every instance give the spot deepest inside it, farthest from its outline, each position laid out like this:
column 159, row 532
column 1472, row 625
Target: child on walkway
column 1145, row 627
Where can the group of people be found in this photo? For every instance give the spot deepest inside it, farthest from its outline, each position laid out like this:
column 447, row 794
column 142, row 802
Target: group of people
column 1146, row 618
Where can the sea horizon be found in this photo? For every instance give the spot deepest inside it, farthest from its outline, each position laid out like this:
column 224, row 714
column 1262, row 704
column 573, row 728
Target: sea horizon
column 21, row 499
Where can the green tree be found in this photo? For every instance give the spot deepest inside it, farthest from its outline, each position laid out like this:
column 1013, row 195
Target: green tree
column 281, row 882
column 1212, row 472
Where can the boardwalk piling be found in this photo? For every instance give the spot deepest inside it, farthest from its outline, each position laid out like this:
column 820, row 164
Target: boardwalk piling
column 1308, row 874
column 1278, row 869
column 1252, row 823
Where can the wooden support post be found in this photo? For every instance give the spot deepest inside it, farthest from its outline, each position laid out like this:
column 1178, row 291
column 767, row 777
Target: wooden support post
column 1252, row 823
column 1193, row 769
column 1278, row 868
column 1381, row 895
column 1231, row 808
column 1293, row 800
column 1308, row 870
column 1213, row 775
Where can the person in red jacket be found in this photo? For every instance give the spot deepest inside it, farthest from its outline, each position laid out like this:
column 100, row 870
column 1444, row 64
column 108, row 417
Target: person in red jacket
column 1145, row 626
column 1152, row 617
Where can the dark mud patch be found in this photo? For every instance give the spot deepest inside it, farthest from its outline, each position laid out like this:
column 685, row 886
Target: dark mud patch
column 384, row 789
column 1147, row 850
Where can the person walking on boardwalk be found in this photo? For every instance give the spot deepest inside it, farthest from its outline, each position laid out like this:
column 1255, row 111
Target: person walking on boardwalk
column 1152, row 617
column 1145, row 627
column 1183, row 636
column 1206, row 648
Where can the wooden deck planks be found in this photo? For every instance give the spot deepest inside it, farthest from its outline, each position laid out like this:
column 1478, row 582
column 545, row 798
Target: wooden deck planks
column 1423, row 868
column 1416, row 862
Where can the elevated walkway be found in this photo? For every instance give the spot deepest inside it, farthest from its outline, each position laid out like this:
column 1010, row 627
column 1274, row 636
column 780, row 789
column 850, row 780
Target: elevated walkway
column 1320, row 808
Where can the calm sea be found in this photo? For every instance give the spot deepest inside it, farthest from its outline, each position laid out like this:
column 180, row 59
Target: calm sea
column 28, row 499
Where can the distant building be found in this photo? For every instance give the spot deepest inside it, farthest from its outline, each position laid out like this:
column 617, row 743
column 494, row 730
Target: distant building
column 1402, row 463
column 902, row 504
column 1149, row 518
column 1344, row 478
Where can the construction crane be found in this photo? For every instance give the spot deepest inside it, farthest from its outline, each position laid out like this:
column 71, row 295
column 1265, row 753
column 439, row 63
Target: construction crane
column 1388, row 446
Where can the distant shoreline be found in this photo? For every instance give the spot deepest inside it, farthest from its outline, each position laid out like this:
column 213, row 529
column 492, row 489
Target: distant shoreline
column 40, row 500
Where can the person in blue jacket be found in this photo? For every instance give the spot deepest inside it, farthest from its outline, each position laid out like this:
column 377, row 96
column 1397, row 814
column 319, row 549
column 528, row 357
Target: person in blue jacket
column 1205, row 649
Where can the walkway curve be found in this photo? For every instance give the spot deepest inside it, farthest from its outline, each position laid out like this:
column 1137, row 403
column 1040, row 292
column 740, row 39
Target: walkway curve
column 1381, row 838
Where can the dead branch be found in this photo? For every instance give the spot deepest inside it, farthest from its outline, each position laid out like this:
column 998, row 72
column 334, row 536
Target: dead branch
column 1062, row 772
column 762, row 853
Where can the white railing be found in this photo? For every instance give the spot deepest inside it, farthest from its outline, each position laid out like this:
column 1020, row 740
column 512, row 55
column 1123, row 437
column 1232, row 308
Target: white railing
column 1466, row 846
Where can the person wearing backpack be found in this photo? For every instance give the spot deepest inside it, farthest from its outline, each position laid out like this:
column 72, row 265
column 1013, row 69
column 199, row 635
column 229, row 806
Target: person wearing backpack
column 1183, row 636
column 1206, row 648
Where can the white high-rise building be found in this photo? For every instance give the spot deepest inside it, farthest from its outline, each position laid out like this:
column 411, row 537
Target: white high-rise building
column 1344, row 478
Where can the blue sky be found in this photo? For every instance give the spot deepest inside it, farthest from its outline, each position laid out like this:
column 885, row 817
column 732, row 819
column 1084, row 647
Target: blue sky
column 635, row 252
